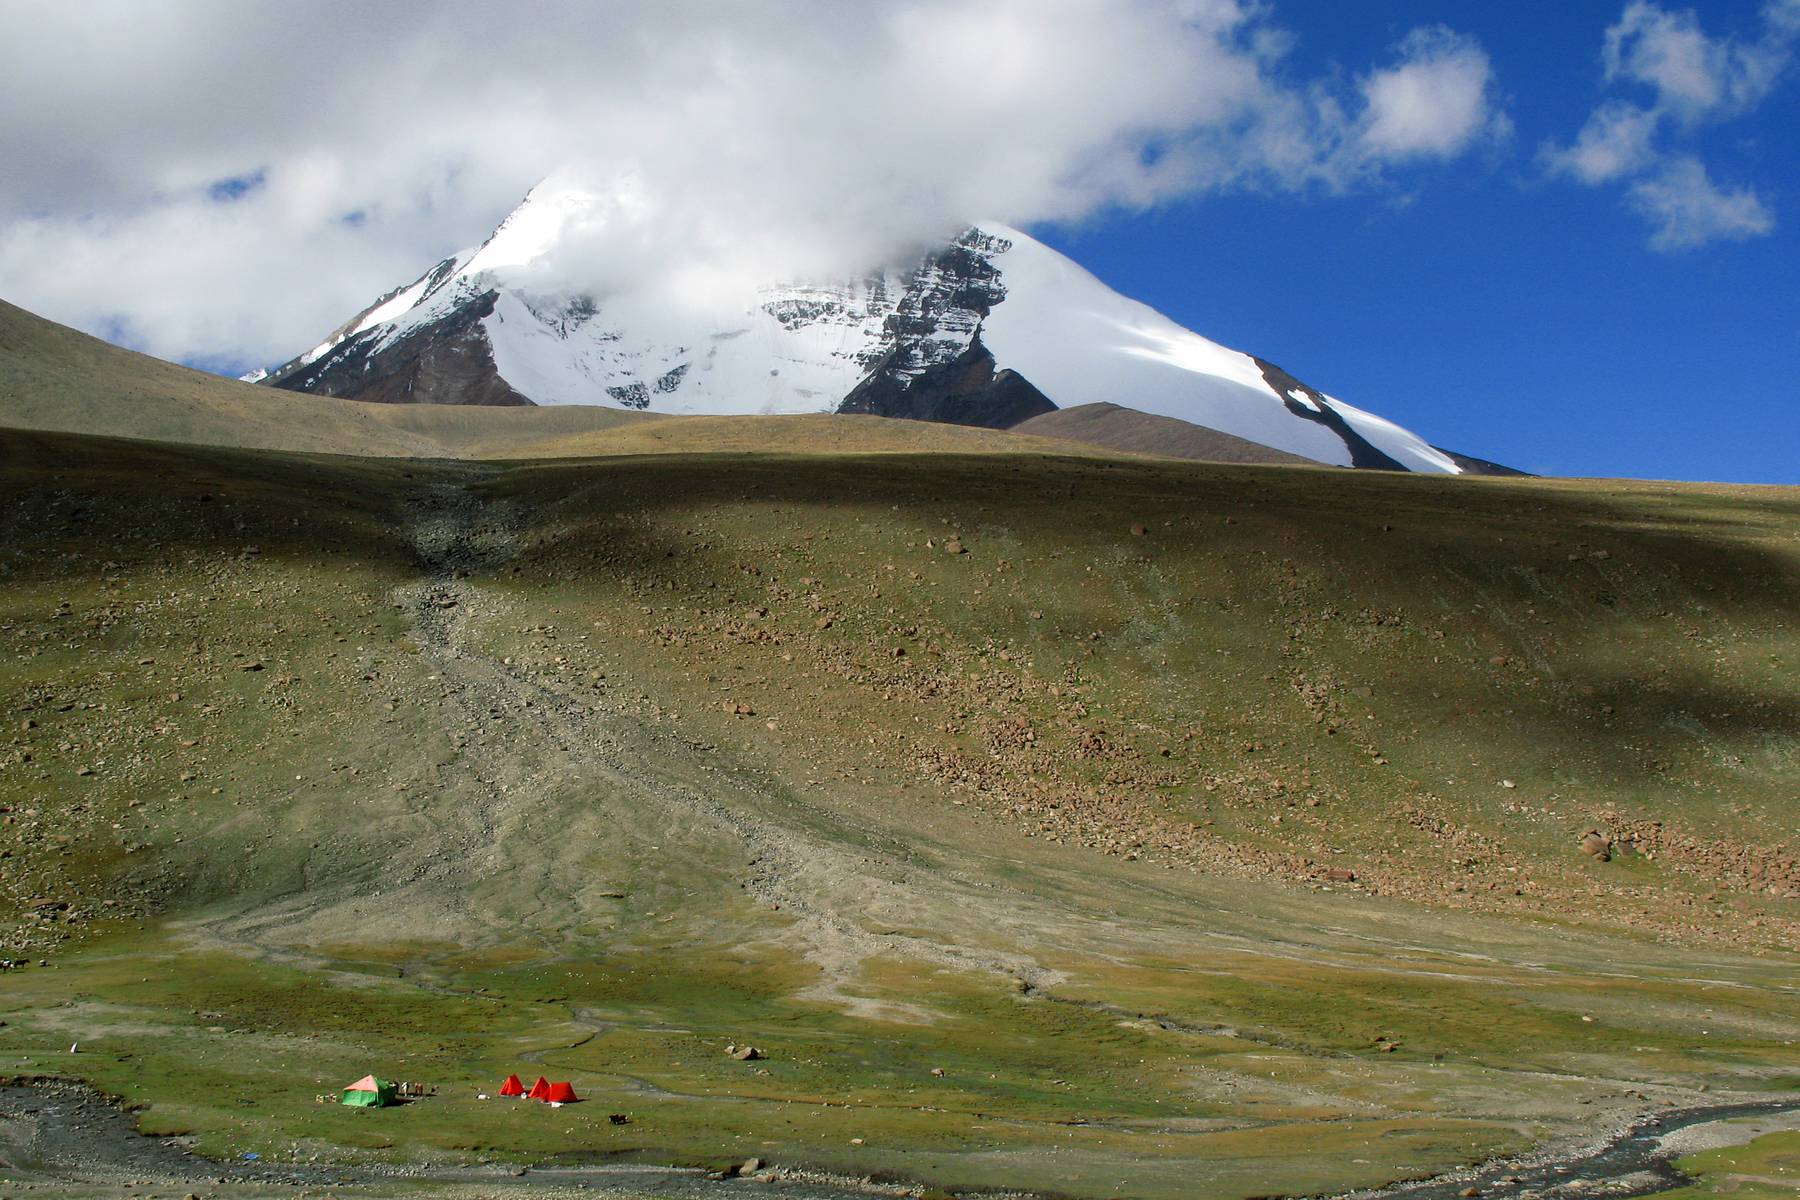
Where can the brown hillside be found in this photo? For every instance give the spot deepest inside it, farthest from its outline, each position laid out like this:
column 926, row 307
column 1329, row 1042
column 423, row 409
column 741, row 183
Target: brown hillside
column 1126, row 429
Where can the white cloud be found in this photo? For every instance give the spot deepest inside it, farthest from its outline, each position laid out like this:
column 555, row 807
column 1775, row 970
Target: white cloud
column 785, row 135
column 1687, row 209
column 1667, row 51
column 1617, row 140
column 1434, row 103
column 1695, row 79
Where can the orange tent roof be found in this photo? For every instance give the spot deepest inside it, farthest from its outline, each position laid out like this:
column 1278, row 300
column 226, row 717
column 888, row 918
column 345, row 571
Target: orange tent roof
column 561, row 1093
column 512, row 1087
column 366, row 1084
column 540, row 1090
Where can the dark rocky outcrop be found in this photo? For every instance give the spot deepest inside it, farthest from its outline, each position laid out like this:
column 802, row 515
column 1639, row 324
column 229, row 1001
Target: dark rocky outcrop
column 963, row 391
column 931, row 365
column 447, row 361
column 1363, row 453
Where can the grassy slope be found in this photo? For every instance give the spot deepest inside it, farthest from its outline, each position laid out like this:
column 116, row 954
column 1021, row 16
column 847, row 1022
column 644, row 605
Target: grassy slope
column 729, row 746
column 811, row 434
column 52, row 377
column 1284, row 665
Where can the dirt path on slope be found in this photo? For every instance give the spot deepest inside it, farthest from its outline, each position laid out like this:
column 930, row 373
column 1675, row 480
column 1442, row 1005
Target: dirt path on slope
column 552, row 801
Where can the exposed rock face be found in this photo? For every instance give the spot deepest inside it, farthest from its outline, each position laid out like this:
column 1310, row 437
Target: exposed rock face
column 939, row 315
column 931, row 365
column 446, row 361
column 964, row 391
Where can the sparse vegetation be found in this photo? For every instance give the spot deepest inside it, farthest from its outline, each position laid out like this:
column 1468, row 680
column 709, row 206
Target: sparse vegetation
column 1766, row 1168
column 1213, row 830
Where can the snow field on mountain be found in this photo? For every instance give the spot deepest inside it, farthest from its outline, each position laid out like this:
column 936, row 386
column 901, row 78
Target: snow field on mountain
column 1081, row 342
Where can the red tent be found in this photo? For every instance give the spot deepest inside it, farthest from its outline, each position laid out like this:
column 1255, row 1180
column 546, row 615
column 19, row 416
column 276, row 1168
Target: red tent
column 561, row 1093
column 512, row 1087
column 539, row 1090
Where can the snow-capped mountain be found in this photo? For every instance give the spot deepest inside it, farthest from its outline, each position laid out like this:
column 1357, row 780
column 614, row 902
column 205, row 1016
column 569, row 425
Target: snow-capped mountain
column 992, row 329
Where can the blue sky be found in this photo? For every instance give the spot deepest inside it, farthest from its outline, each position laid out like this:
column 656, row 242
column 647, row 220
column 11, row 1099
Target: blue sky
column 1557, row 235
column 1499, row 310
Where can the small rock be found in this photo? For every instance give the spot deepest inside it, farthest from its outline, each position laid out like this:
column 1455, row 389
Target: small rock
column 744, row 1053
column 953, row 546
column 1594, row 844
column 1138, row 531
column 937, row 1072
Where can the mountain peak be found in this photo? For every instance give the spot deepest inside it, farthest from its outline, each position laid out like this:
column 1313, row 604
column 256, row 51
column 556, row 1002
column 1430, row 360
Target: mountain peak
column 991, row 328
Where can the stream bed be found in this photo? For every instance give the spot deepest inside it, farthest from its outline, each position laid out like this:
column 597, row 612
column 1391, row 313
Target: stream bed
column 1638, row 1162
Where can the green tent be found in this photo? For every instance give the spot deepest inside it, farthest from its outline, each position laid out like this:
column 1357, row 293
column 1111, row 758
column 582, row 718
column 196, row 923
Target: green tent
column 369, row 1092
